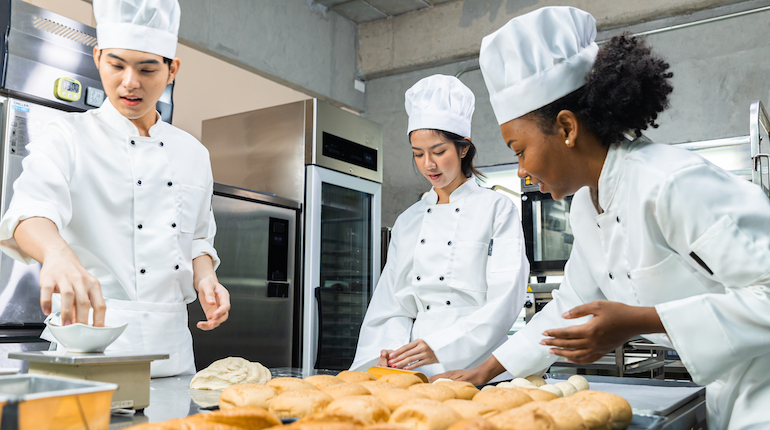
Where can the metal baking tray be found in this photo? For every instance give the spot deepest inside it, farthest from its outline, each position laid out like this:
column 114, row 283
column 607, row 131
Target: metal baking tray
column 646, row 396
column 39, row 402
column 647, row 422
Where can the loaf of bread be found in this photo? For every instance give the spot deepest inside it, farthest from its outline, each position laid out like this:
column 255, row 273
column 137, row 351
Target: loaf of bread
column 243, row 417
column 356, row 376
column 425, row 415
column 539, row 395
column 463, row 390
column 438, row 392
column 346, row 389
column 387, row 426
column 334, row 417
column 502, row 398
column 285, row 383
column 318, row 425
column 323, row 381
column 368, row 409
column 375, row 386
column 525, row 417
column 247, row 395
column 470, row 409
column 473, row 424
column 298, row 404
column 595, row 415
column 403, row 380
column 395, row 397
column 563, row 415
column 619, row 407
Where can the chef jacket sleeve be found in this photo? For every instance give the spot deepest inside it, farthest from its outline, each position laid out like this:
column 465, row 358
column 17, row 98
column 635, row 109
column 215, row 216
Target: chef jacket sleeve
column 206, row 227
column 720, row 225
column 523, row 355
column 390, row 316
column 42, row 189
column 507, row 271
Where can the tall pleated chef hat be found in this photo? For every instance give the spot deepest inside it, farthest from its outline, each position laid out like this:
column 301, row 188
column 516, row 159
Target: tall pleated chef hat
column 537, row 58
column 440, row 102
column 141, row 25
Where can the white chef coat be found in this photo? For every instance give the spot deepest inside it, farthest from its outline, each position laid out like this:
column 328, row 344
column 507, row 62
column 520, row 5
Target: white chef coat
column 455, row 277
column 680, row 234
column 135, row 210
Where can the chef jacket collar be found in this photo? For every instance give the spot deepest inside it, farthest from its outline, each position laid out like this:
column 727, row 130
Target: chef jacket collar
column 122, row 124
column 463, row 190
column 613, row 167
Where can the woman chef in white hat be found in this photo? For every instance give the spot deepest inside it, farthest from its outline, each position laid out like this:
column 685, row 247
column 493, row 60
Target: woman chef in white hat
column 667, row 245
column 116, row 204
column 456, row 263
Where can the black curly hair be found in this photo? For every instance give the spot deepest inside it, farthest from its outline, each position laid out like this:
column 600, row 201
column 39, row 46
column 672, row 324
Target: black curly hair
column 625, row 90
column 466, row 163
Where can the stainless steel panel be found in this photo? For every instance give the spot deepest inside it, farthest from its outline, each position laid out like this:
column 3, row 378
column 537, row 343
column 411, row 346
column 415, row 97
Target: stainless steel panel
column 260, row 150
column 31, row 387
column 259, row 328
column 63, row 357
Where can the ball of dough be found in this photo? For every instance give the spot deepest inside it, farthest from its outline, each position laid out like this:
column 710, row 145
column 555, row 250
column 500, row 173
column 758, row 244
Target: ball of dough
column 524, row 418
column 565, row 417
column 517, row 382
column 434, row 391
column 470, row 409
column 619, row 407
column 298, row 404
column 473, row 424
column 463, row 390
column 566, row 388
column 287, row 383
column 356, row 376
column 403, row 380
column 579, row 382
column 539, row 395
column 368, row 409
column 595, row 415
column 552, row 389
column 323, row 381
column 346, row 389
column 395, row 397
column 425, row 415
column 230, row 371
column 375, row 386
column 503, row 398
column 243, row 417
column 247, row 395
column 537, row 381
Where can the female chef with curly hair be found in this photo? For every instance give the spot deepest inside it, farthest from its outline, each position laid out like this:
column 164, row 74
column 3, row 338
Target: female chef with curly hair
column 456, row 271
column 667, row 245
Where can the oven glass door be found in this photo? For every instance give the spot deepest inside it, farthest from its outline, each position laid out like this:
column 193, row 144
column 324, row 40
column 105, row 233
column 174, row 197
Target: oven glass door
column 547, row 231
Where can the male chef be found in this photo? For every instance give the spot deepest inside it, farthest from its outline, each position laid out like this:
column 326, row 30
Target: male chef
column 116, row 204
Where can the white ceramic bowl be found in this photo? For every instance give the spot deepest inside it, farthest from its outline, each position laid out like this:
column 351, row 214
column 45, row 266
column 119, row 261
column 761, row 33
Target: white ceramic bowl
column 85, row 338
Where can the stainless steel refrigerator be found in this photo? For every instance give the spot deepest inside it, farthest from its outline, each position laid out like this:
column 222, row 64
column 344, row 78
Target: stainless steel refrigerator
column 47, row 70
column 331, row 160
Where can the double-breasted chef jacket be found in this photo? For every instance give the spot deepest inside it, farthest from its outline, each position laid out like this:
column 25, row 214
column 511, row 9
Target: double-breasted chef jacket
column 135, row 210
column 455, row 277
column 690, row 239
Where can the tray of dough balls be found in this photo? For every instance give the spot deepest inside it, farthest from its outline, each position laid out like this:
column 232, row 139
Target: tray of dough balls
column 353, row 400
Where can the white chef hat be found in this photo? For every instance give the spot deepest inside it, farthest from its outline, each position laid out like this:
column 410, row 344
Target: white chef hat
column 440, row 102
column 537, row 58
column 141, row 25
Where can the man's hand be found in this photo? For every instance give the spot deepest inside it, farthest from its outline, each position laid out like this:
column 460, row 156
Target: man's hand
column 412, row 355
column 612, row 325
column 214, row 298
column 61, row 272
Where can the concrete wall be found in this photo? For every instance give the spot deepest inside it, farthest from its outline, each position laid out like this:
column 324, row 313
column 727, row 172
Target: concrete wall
column 719, row 68
column 283, row 41
column 453, row 31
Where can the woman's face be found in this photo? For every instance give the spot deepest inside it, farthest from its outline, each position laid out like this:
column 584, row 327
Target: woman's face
column 436, row 158
column 543, row 157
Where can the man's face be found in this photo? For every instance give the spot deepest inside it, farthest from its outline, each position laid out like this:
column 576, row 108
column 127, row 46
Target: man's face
column 134, row 80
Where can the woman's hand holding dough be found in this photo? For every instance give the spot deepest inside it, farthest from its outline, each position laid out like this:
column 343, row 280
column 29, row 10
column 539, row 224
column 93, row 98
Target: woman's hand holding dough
column 412, row 355
column 612, row 325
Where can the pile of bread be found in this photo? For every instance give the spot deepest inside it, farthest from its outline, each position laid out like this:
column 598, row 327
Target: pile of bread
column 359, row 401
